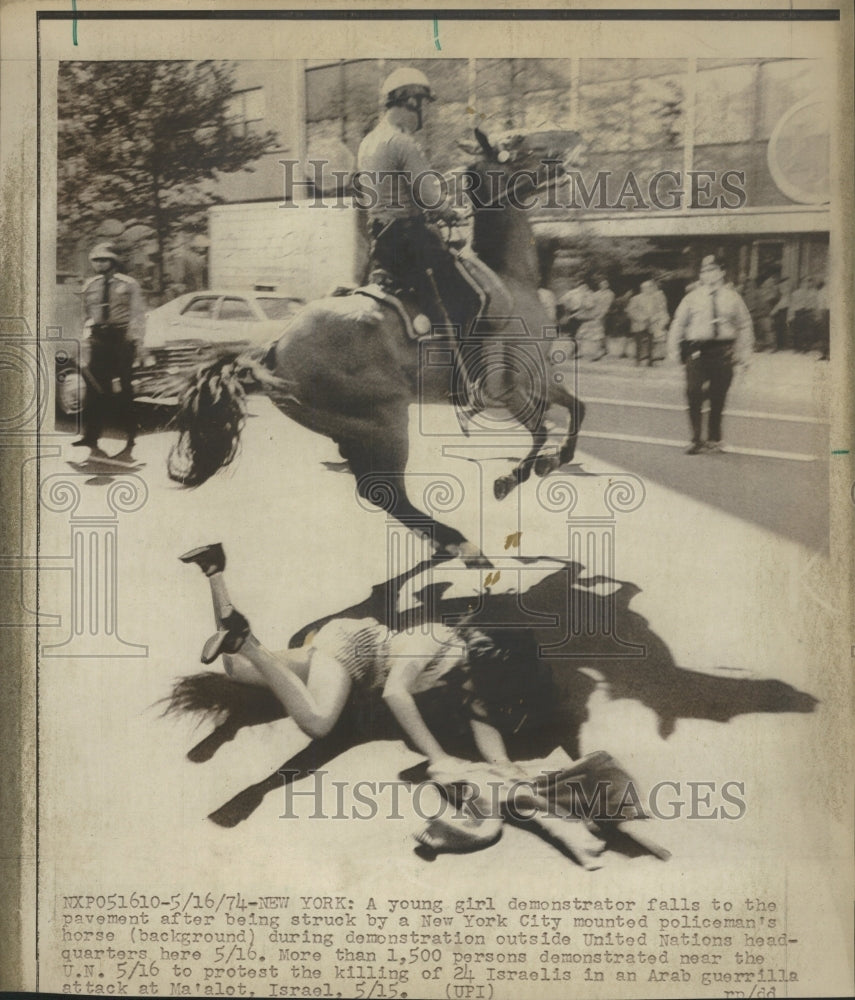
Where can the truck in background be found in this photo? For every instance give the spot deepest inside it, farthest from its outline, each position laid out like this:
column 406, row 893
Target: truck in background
column 299, row 249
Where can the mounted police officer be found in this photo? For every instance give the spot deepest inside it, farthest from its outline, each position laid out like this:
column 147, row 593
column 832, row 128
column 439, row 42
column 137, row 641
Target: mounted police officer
column 115, row 307
column 403, row 189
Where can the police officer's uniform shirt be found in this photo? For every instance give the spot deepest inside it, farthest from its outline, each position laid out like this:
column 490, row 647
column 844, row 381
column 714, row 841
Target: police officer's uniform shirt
column 725, row 319
column 124, row 305
column 388, row 149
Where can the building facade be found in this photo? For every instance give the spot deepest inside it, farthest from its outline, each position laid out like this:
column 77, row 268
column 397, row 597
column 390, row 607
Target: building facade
column 681, row 125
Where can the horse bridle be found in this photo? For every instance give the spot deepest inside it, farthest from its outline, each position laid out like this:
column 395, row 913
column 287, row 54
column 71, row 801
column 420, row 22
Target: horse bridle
column 546, row 184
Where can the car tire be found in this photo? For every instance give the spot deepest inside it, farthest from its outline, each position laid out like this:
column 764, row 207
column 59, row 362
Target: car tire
column 70, row 391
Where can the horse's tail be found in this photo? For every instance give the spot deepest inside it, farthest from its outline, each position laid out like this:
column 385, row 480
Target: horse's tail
column 210, row 418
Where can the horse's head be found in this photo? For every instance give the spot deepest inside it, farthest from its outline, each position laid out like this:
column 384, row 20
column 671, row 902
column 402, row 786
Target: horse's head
column 513, row 165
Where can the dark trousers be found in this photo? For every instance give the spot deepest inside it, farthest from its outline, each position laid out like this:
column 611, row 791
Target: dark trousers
column 781, row 329
column 709, row 372
column 111, row 358
column 804, row 332
column 823, row 334
column 644, row 346
column 413, row 253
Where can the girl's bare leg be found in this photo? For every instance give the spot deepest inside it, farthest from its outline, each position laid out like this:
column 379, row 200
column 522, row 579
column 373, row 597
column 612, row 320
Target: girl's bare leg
column 315, row 703
column 223, row 606
column 314, row 708
column 240, row 669
column 314, row 699
column 232, row 627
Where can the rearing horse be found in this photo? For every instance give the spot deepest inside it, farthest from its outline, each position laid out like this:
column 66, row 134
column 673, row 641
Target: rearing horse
column 345, row 368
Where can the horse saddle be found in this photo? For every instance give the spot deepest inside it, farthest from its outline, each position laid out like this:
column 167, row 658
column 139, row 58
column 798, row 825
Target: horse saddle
column 493, row 296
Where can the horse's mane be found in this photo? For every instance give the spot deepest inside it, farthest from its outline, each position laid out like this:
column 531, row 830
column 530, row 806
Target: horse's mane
column 489, row 236
column 493, row 238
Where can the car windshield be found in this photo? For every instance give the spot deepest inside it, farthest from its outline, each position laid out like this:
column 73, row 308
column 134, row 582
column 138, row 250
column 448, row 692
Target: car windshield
column 279, row 307
column 202, row 306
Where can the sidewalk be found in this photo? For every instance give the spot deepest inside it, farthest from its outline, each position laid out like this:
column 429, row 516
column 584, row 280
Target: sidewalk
column 783, row 382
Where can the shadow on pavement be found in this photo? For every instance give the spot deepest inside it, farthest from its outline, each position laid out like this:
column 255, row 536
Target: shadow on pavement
column 590, row 641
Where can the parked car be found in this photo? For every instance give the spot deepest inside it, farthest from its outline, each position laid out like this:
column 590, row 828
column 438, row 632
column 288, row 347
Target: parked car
column 220, row 317
column 180, row 337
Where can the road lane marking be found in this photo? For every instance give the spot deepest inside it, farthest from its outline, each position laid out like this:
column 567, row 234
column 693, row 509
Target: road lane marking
column 790, row 456
column 674, row 408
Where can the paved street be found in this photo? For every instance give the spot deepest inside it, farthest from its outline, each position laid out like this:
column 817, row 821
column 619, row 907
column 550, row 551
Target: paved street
column 775, row 472
column 300, row 546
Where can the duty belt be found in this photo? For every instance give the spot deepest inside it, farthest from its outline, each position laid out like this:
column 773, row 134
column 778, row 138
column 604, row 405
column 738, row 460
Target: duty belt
column 708, row 345
column 109, row 329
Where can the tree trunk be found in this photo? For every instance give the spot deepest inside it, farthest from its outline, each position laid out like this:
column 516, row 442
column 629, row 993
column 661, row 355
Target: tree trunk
column 160, row 229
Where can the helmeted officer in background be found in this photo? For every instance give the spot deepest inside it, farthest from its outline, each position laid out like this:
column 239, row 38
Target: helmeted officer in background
column 711, row 333
column 403, row 188
column 115, row 307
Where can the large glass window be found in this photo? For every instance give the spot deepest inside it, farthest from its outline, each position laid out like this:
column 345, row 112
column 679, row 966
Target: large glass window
column 632, row 112
column 201, row 307
column 725, row 104
column 644, row 111
column 604, row 70
column 235, row 309
column 743, row 157
column 548, row 109
column 606, row 113
column 324, row 93
column 657, row 112
column 784, row 83
column 246, row 109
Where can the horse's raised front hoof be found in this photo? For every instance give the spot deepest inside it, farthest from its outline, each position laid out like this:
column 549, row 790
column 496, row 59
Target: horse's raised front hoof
column 544, row 464
column 504, row 485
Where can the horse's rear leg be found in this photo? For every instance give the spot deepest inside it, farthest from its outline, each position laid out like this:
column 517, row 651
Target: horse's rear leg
column 379, row 469
column 576, row 411
column 541, row 463
column 504, row 484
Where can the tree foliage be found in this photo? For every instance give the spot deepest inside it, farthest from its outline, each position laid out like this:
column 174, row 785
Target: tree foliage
column 589, row 257
column 144, row 143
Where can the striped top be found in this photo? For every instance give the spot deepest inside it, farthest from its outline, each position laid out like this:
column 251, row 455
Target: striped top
column 366, row 649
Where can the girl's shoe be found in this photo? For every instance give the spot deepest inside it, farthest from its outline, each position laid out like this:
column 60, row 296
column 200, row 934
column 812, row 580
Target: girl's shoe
column 228, row 638
column 209, row 558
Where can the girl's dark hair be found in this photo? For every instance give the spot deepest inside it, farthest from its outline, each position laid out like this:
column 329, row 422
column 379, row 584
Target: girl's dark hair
column 509, row 679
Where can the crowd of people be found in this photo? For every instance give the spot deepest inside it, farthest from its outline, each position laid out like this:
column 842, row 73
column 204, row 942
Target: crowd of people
column 715, row 329
column 788, row 316
column 635, row 324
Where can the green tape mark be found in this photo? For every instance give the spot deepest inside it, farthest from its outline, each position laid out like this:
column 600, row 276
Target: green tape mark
column 74, row 22
column 435, row 33
column 840, row 451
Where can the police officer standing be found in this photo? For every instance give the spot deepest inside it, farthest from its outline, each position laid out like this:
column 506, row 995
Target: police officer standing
column 115, row 307
column 711, row 333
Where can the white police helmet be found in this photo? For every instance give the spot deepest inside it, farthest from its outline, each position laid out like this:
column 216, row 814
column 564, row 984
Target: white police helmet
column 404, row 84
column 104, row 251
